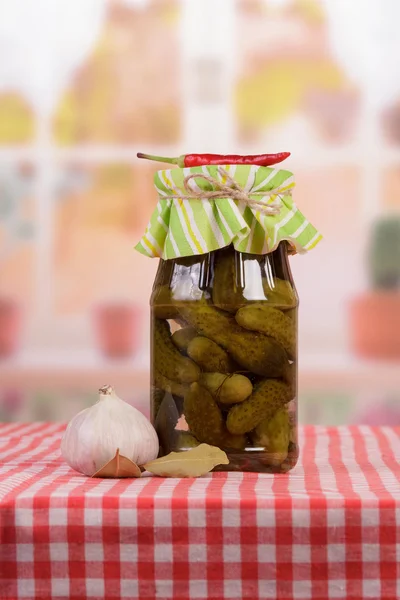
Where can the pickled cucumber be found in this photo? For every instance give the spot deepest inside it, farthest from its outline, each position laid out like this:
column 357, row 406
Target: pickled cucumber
column 168, row 385
column 205, row 419
column 270, row 321
column 279, row 292
column 290, row 377
column 274, row 435
column 186, row 440
column 203, row 415
column 164, row 306
column 182, row 337
column 256, row 352
column 168, row 361
column 209, row 356
column 227, row 389
column 267, row 397
column 236, row 442
column 226, row 294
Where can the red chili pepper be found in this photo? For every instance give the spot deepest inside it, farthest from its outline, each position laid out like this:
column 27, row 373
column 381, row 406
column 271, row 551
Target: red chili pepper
column 198, row 160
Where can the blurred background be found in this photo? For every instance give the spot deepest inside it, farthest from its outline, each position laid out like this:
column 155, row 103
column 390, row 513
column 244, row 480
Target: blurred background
column 85, row 85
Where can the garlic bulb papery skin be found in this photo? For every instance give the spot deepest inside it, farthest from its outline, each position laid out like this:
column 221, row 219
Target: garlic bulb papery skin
column 93, row 436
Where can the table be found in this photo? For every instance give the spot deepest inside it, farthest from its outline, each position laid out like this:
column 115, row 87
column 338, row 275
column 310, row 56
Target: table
column 328, row 530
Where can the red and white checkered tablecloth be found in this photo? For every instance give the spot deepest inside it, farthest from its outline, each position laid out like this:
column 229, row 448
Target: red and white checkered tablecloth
column 328, row 530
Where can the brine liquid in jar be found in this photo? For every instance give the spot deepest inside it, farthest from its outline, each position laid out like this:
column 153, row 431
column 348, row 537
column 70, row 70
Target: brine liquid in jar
column 224, row 357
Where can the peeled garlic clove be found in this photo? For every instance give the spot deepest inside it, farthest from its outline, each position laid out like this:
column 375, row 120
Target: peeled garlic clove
column 94, row 435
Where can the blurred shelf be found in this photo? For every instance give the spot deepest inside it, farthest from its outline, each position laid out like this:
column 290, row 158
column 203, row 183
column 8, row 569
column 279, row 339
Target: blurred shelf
column 73, row 369
column 344, row 371
column 87, row 369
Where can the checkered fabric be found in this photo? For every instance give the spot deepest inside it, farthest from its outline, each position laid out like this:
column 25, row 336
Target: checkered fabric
column 328, row 530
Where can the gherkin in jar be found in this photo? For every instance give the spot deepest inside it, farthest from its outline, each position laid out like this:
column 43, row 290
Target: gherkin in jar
column 229, row 368
column 224, row 313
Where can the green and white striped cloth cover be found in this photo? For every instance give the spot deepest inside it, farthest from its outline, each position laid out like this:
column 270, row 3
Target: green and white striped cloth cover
column 185, row 227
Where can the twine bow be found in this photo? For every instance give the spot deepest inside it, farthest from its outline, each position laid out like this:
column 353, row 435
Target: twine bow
column 230, row 190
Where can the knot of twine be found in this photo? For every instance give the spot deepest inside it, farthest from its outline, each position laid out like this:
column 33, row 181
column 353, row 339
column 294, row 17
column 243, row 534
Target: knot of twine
column 229, row 190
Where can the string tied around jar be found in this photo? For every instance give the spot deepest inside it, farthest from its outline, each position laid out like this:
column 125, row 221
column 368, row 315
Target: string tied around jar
column 231, row 189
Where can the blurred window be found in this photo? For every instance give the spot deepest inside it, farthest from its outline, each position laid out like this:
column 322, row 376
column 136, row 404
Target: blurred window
column 106, row 78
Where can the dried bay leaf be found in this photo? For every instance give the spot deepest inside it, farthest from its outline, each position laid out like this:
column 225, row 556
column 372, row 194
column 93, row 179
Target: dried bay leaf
column 119, row 467
column 191, row 463
column 165, row 423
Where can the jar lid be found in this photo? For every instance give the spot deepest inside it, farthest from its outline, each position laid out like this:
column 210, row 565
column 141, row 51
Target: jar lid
column 201, row 209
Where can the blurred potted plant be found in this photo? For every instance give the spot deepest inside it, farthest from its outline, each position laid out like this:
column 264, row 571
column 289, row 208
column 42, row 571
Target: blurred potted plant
column 14, row 189
column 375, row 315
column 116, row 326
column 11, row 403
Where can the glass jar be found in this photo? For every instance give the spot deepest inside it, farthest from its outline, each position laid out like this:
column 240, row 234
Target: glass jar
column 224, row 357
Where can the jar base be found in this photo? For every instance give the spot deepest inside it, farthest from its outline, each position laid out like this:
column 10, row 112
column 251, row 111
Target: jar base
column 252, row 461
column 259, row 462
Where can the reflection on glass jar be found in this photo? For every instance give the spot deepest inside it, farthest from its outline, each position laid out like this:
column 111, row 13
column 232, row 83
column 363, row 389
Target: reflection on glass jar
column 224, row 357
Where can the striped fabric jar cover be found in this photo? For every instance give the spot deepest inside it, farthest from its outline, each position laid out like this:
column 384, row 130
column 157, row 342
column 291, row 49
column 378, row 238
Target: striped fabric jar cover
column 182, row 226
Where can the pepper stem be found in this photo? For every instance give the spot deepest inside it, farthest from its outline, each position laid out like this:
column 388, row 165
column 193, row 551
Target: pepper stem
column 172, row 161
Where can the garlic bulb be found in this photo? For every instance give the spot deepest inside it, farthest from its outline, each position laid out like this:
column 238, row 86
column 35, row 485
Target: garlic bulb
column 94, row 435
